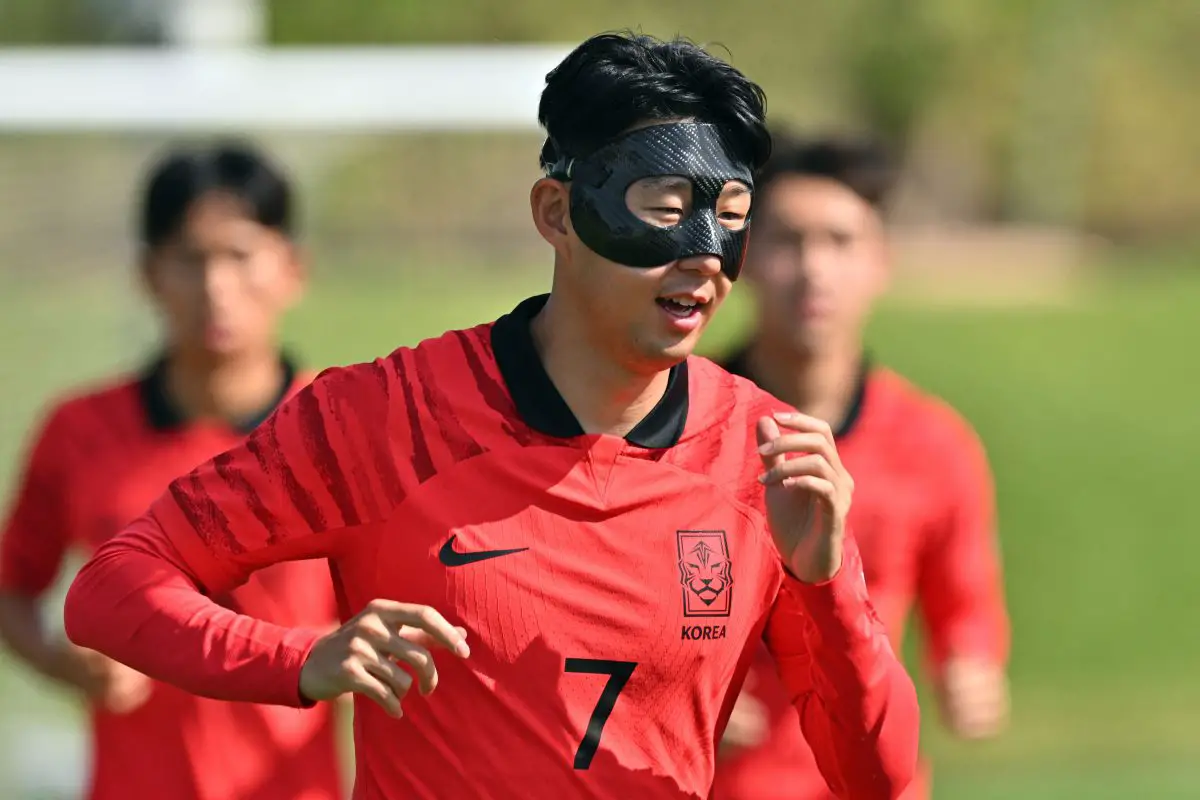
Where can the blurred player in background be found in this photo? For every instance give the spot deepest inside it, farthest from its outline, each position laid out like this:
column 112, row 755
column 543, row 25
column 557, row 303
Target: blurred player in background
column 594, row 527
column 923, row 501
column 220, row 267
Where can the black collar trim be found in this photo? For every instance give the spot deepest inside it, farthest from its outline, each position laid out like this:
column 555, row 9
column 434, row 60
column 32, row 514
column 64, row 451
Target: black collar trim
column 544, row 409
column 163, row 414
column 739, row 364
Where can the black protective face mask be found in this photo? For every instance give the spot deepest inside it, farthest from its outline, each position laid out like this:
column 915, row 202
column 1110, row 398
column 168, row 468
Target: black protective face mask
column 603, row 220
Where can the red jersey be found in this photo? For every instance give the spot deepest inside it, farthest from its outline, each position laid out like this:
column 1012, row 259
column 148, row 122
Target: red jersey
column 100, row 460
column 611, row 587
column 924, row 520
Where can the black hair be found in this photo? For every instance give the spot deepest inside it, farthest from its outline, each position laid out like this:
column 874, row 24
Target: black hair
column 614, row 81
column 861, row 163
column 184, row 175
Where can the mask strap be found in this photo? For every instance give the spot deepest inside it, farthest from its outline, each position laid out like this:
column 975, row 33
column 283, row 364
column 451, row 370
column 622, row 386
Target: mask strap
column 562, row 169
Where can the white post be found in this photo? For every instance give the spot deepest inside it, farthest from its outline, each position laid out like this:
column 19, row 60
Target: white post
column 217, row 23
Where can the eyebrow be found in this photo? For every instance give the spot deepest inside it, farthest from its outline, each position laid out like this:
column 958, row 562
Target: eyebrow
column 668, row 182
column 678, row 182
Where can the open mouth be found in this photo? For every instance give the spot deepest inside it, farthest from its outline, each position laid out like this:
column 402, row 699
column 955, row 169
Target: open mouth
column 681, row 307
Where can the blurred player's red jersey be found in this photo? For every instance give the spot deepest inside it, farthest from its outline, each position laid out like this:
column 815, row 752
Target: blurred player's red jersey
column 99, row 462
column 610, row 587
column 924, row 519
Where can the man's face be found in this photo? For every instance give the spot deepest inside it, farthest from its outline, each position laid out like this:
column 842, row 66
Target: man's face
column 651, row 318
column 223, row 282
column 817, row 260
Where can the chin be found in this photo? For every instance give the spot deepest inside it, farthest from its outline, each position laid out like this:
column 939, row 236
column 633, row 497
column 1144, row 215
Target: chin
column 220, row 350
column 668, row 355
column 808, row 340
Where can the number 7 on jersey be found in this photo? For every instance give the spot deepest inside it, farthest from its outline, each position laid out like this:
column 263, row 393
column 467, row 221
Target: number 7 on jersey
column 618, row 673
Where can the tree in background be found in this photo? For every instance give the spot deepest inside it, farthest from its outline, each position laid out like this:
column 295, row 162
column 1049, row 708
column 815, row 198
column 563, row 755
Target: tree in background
column 1068, row 112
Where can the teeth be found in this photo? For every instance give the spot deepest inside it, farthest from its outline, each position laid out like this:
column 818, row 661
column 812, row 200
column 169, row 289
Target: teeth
column 686, row 303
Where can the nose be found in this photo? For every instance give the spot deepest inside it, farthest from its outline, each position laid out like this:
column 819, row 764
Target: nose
column 706, row 264
column 814, row 259
column 220, row 278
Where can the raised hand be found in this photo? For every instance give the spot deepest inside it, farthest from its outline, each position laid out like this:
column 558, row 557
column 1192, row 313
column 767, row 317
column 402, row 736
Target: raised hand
column 372, row 654
column 808, row 493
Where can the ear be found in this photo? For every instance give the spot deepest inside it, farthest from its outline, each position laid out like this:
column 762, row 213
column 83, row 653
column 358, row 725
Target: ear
column 883, row 253
column 298, row 259
column 550, row 203
column 148, row 272
column 887, row 260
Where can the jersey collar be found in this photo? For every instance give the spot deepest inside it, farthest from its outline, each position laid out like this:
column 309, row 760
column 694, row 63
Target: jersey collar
column 544, row 409
column 164, row 415
column 739, row 364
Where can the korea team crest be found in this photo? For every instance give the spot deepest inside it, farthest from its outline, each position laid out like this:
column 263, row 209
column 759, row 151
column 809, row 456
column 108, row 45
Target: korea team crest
column 705, row 573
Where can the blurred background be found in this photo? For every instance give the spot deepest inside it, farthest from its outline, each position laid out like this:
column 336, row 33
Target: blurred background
column 1048, row 285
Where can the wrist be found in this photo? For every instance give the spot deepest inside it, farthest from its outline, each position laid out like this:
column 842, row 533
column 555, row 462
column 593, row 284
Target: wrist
column 298, row 646
column 816, row 565
column 62, row 663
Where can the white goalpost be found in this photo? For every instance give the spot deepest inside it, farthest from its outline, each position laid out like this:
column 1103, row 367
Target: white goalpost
column 464, row 87
column 215, row 75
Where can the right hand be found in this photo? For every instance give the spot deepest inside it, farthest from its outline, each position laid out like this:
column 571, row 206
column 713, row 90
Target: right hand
column 372, row 654
column 974, row 697
column 747, row 725
column 107, row 683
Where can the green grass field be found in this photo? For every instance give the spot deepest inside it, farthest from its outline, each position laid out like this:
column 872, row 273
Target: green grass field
column 1088, row 412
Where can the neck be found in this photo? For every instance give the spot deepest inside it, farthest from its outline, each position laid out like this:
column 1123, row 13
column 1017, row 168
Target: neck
column 605, row 397
column 226, row 389
column 820, row 384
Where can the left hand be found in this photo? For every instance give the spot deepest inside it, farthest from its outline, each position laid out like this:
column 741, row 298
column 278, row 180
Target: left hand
column 747, row 724
column 808, row 496
column 974, row 697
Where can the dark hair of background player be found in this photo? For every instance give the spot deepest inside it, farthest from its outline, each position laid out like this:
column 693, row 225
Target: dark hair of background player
column 862, row 164
column 616, row 81
column 184, row 176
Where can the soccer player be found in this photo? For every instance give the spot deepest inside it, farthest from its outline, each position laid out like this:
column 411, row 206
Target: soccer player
column 922, row 511
column 561, row 521
column 220, row 268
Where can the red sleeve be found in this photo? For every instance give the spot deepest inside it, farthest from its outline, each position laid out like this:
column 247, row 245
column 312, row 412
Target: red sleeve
column 36, row 533
column 294, row 490
column 960, row 592
column 857, row 704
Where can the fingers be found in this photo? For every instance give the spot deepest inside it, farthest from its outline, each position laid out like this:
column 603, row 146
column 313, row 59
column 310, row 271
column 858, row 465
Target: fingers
column 396, row 615
column 808, row 471
column 818, row 468
column 414, row 649
column 800, row 433
column 392, row 675
column 414, row 657
column 380, row 653
column 800, row 443
column 768, row 431
column 747, row 724
column 360, row 681
column 409, row 647
column 804, row 423
column 977, row 717
column 368, row 671
column 425, row 640
column 975, row 699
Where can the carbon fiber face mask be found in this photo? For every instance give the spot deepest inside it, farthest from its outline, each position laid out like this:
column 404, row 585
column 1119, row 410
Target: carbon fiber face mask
column 604, row 222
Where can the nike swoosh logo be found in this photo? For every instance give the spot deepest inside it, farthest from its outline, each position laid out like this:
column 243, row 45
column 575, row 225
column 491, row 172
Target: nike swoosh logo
column 453, row 558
